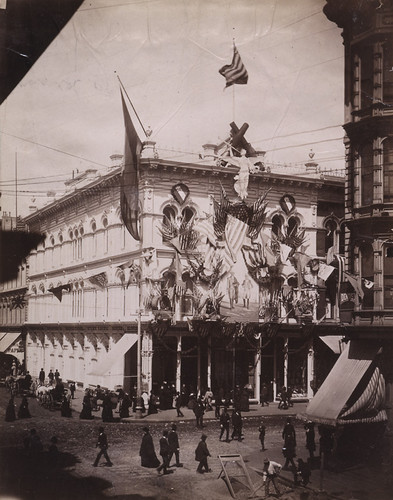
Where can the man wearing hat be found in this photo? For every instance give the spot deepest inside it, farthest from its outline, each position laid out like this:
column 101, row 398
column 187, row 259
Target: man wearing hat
column 164, row 452
column 270, row 471
column 102, row 443
column 174, row 447
column 201, row 454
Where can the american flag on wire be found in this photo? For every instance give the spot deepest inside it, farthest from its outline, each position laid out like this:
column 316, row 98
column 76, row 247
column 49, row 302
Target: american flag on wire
column 234, row 73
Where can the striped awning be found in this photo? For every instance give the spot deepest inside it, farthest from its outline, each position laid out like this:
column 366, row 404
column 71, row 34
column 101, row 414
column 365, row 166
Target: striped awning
column 7, row 340
column 353, row 392
column 116, row 353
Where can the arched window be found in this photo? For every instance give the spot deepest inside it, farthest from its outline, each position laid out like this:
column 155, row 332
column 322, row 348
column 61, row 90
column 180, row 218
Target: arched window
column 388, row 276
column 106, row 235
column 388, row 169
column 168, row 220
column 367, row 273
column 293, row 226
column 277, row 223
column 367, row 172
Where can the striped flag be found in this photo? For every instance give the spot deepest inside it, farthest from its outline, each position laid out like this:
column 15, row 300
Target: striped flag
column 205, row 228
column 234, row 72
column 235, row 233
column 129, row 194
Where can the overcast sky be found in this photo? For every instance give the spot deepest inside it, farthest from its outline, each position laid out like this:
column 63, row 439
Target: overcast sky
column 66, row 113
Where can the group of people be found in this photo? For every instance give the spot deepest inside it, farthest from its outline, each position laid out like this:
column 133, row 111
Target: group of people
column 23, row 411
column 233, row 291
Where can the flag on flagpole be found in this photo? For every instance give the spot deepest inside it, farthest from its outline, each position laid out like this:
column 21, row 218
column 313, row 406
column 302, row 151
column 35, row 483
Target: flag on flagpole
column 58, row 291
column 129, row 195
column 234, row 73
column 205, row 228
column 325, row 271
column 235, row 233
column 355, row 284
column 100, row 279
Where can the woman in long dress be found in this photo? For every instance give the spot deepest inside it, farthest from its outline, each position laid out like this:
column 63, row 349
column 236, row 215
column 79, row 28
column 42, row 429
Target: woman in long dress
column 147, row 453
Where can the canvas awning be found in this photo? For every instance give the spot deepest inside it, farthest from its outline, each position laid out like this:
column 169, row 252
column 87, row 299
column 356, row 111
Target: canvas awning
column 334, row 342
column 7, row 339
column 353, row 392
column 114, row 355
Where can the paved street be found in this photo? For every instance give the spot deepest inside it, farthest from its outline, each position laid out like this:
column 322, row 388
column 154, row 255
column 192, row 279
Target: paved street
column 75, row 478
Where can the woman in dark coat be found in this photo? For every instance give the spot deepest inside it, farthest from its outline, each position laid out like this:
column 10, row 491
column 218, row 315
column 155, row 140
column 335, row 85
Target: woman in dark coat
column 23, row 411
column 125, row 406
column 10, row 411
column 310, row 438
column 107, row 410
column 85, row 414
column 147, row 453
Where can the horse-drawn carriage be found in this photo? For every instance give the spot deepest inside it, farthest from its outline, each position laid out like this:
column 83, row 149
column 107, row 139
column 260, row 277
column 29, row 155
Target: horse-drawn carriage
column 20, row 385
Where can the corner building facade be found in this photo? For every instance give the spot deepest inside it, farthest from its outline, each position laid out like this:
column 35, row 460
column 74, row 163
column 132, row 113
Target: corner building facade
column 91, row 284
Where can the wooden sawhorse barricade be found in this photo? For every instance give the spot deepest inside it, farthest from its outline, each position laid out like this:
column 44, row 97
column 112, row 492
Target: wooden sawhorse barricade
column 239, row 462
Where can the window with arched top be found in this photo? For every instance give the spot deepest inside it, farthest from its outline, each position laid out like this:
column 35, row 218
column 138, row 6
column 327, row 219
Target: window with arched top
column 367, row 174
column 366, row 76
column 366, row 256
column 293, row 226
column 168, row 221
column 388, row 169
column 277, row 223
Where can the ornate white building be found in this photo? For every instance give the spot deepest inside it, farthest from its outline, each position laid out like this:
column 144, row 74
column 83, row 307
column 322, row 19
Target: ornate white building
column 90, row 282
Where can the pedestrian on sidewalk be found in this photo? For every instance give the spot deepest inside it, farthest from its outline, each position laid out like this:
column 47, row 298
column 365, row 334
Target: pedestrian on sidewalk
column 224, row 424
column 146, row 452
column 86, row 414
column 102, row 443
column 23, row 411
column 41, row 376
column 10, row 415
column 262, row 432
column 199, row 411
column 164, row 452
column 270, row 472
column 237, row 422
column 178, row 401
column 201, row 454
column 174, row 446
column 310, row 438
column 289, row 449
column 303, row 473
column 264, row 395
column 72, row 389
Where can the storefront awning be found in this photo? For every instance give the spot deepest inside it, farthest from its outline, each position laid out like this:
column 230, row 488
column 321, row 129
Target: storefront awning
column 7, row 339
column 333, row 342
column 353, row 389
column 117, row 352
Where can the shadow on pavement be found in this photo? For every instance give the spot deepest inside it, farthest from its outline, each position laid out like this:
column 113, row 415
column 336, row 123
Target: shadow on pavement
column 43, row 477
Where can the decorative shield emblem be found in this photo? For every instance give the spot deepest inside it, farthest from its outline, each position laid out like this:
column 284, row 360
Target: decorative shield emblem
column 180, row 192
column 288, row 203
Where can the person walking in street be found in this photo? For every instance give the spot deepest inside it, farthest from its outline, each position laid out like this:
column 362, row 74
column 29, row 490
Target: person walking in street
column 102, row 443
column 224, row 424
column 262, row 432
column 10, row 415
column 164, row 452
column 303, row 472
column 146, row 452
column 41, row 377
column 201, row 454
column 178, row 400
column 264, row 395
column 23, row 411
column 270, row 472
column 57, row 375
column 237, row 423
column 85, row 414
column 199, row 411
column 310, row 438
column 289, row 449
column 51, row 377
column 72, row 390
column 174, row 446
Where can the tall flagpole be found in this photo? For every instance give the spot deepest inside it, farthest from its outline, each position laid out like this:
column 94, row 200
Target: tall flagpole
column 16, row 190
column 233, row 86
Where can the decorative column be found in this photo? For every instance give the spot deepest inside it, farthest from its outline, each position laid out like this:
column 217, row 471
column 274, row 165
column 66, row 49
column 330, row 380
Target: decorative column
column 209, row 361
column 257, row 376
column 147, row 357
column 178, row 364
column 310, row 371
column 275, row 370
column 199, row 366
column 286, row 362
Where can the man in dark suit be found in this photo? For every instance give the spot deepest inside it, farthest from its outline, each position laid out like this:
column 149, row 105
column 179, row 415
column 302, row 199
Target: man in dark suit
column 164, row 452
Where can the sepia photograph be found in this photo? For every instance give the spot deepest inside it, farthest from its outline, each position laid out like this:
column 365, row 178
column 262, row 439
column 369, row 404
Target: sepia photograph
column 196, row 249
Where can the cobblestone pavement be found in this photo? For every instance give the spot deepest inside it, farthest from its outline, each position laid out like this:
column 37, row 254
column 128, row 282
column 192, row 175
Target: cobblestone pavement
column 75, row 478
